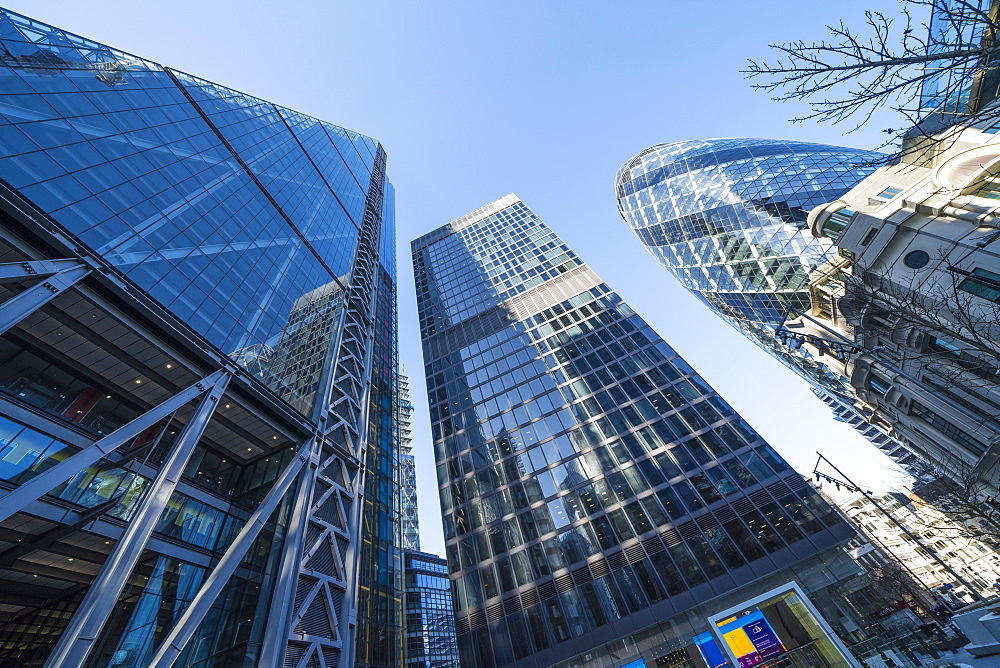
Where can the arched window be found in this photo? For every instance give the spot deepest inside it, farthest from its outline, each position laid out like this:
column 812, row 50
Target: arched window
column 837, row 223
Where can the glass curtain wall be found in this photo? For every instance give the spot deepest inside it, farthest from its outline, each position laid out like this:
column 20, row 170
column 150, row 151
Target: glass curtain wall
column 238, row 219
column 727, row 218
column 589, row 478
column 430, row 620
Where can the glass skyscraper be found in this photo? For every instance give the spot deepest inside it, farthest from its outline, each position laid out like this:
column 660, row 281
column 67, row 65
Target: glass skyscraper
column 430, row 618
column 727, row 218
column 407, row 470
column 849, row 415
column 600, row 500
column 198, row 371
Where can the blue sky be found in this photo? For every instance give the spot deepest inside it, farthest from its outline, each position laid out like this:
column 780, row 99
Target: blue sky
column 473, row 100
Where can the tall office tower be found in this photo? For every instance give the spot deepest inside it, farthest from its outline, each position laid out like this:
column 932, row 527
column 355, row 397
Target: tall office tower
column 407, row 470
column 197, row 372
column 727, row 218
column 600, row 500
column 430, row 617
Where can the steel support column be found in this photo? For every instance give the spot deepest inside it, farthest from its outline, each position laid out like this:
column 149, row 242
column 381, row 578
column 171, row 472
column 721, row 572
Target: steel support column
column 85, row 626
column 19, row 498
column 283, row 597
column 181, row 633
column 56, row 276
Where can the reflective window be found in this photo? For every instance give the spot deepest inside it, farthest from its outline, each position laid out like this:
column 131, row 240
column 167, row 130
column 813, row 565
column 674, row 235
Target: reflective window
column 574, row 432
column 982, row 283
column 240, row 217
column 727, row 218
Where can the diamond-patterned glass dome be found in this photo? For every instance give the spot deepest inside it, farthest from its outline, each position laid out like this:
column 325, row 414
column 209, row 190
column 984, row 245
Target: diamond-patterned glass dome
column 727, row 217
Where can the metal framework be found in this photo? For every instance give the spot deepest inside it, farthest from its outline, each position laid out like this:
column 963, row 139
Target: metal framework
column 16, row 500
column 85, row 626
column 315, row 627
column 185, row 627
column 56, row 276
column 312, row 611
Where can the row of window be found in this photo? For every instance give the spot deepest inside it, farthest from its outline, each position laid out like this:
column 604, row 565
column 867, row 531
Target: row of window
column 479, row 266
column 668, row 569
column 608, row 495
column 25, row 452
column 31, row 379
column 601, row 433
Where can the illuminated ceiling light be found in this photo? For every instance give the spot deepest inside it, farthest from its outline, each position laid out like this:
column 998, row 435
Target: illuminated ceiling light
column 274, row 438
column 69, row 558
column 137, row 381
column 227, row 406
column 249, row 449
column 170, row 366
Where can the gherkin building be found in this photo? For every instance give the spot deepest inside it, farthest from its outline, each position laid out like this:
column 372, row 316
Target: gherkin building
column 727, row 217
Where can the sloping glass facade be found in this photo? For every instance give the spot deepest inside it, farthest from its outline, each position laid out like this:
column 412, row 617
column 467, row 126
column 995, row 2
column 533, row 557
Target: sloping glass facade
column 591, row 482
column 221, row 232
column 727, row 218
column 224, row 208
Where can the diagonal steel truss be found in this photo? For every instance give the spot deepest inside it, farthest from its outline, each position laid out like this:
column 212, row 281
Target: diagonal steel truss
column 312, row 617
column 311, row 621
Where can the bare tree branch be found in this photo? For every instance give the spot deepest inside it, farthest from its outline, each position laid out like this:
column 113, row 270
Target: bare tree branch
column 912, row 68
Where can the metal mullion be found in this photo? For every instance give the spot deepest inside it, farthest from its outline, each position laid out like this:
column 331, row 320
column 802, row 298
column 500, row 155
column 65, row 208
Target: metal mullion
column 251, row 174
column 89, row 618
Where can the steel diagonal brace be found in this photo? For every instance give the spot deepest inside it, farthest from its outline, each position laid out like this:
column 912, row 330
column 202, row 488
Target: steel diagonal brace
column 283, row 597
column 56, row 275
column 184, row 629
column 19, row 498
column 18, row 271
column 84, row 627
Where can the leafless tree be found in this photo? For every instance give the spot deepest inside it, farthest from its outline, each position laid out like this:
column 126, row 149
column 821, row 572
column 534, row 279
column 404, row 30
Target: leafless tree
column 967, row 502
column 879, row 300
column 947, row 335
column 893, row 582
column 909, row 63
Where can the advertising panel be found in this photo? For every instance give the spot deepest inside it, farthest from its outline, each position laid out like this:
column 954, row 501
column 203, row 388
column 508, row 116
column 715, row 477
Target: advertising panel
column 776, row 623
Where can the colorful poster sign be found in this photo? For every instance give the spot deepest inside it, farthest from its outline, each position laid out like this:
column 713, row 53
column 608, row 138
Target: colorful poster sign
column 751, row 638
column 763, row 638
column 746, row 653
